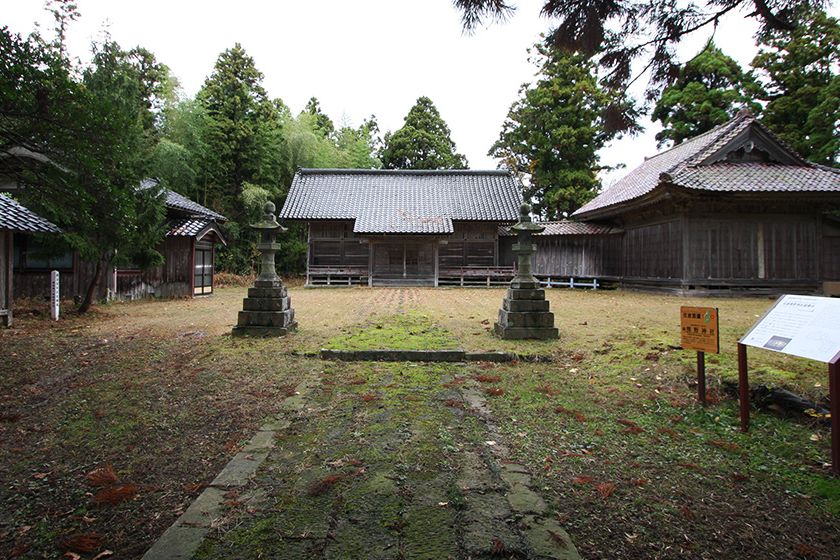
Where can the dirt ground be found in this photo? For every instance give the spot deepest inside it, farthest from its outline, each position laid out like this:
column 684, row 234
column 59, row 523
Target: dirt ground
column 625, row 460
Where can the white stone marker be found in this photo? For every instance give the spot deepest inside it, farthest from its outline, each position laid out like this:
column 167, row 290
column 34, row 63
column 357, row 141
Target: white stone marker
column 54, row 295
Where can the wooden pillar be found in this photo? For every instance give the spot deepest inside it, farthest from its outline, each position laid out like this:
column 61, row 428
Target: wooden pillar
column 437, row 253
column 192, row 266
column 743, row 387
column 834, row 395
column 308, row 251
column 6, row 278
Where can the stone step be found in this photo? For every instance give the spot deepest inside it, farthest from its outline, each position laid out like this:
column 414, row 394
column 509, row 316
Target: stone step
column 515, row 294
column 525, row 305
column 268, row 292
column 266, row 318
column 526, row 319
column 542, row 333
column 266, row 304
column 246, row 330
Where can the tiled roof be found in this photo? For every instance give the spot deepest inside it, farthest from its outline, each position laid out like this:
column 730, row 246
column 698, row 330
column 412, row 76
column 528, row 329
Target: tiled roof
column 569, row 227
column 391, row 201
column 181, row 203
column 16, row 217
column 761, row 177
column 683, row 165
column 566, row 227
column 193, row 227
column 189, row 227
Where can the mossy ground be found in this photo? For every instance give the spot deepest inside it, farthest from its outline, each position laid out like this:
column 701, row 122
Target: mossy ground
column 159, row 390
column 367, row 470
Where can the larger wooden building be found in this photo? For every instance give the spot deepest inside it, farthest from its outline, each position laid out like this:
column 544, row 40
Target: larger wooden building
column 388, row 227
column 733, row 208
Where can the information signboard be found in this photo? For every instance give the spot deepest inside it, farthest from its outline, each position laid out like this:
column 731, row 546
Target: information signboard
column 804, row 326
column 699, row 329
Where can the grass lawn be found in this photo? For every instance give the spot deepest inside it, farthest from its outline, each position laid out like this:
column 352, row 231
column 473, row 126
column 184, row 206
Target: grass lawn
column 625, row 460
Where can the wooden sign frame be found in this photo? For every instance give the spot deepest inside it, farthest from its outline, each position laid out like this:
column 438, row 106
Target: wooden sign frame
column 833, row 379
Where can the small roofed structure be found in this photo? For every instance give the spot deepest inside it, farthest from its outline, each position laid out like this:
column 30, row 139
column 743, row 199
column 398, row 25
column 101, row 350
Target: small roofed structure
column 14, row 218
column 731, row 209
column 398, row 227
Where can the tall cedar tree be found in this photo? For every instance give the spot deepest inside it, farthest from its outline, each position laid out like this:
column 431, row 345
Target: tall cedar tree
column 710, row 90
column 618, row 32
column 244, row 146
column 552, row 134
column 423, row 142
column 802, row 89
column 89, row 123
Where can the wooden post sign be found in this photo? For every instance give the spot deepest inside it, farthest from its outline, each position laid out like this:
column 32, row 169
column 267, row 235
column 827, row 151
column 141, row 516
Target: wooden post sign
column 699, row 331
column 55, row 301
column 804, row 326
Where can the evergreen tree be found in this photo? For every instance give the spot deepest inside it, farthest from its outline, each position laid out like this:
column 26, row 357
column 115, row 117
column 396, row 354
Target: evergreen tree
column 87, row 127
column 321, row 123
column 553, row 132
column 802, row 87
column 423, row 142
column 618, row 33
column 244, row 145
column 710, row 90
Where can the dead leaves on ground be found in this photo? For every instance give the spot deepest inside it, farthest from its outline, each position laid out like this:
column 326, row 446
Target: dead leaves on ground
column 563, row 410
column 631, row 427
column 103, row 476
column 481, row 378
column 111, row 492
column 494, row 391
column 324, row 485
column 84, row 543
column 605, row 489
column 116, row 494
column 548, row 390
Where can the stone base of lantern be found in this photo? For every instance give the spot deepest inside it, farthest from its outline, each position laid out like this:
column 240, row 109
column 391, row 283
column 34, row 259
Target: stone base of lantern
column 267, row 311
column 525, row 313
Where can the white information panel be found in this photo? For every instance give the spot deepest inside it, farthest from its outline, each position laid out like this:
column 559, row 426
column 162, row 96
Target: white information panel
column 804, row 326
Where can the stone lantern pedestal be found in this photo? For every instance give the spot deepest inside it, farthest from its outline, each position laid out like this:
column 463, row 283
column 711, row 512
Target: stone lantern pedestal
column 267, row 311
column 525, row 311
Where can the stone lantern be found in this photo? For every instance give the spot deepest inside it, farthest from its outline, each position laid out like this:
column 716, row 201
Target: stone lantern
column 267, row 311
column 525, row 311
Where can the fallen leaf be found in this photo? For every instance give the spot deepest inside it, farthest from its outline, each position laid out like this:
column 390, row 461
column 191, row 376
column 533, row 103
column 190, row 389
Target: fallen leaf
column 583, row 480
column 82, row 542
column 103, row 476
column 606, row 489
column 113, row 495
column 498, row 548
column 103, row 554
column 325, row 484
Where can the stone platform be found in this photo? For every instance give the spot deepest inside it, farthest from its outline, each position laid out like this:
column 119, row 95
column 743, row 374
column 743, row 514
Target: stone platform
column 525, row 313
column 267, row 311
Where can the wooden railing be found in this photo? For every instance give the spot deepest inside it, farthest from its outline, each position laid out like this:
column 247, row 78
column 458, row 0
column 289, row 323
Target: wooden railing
column 336, row 275
column 475, row 275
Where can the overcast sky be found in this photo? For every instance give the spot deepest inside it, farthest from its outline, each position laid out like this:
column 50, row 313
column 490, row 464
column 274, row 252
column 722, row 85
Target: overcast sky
column 358, row 57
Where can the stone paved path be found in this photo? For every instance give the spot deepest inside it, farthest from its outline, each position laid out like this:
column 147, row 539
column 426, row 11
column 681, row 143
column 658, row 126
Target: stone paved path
column 378, row 461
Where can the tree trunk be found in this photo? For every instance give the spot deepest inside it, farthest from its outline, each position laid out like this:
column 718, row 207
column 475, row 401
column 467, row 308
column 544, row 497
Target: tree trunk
column 91, row 289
